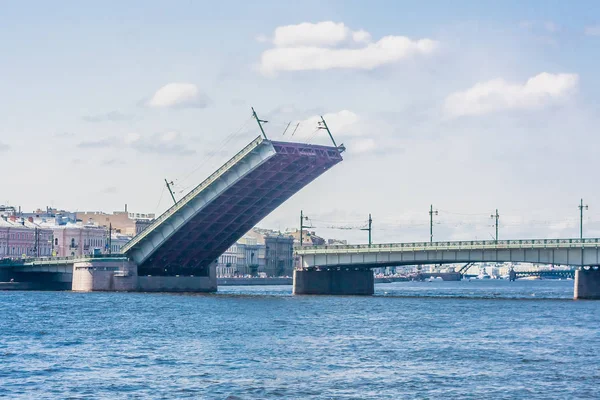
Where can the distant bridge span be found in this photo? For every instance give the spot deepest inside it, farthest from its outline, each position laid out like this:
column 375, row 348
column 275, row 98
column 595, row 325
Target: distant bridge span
column 574, row 252
column 346, row 269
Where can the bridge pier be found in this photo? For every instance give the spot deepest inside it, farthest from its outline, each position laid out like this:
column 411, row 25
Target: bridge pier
column 112, row 275
column 342, row 281
column 121, row 275
column 587, row 284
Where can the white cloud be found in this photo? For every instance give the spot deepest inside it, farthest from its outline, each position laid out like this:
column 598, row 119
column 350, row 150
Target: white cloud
column 497, row 94
column 361, row 36
column 325, row 33
column 329, row 45
column 178, row 95
column 593, row 30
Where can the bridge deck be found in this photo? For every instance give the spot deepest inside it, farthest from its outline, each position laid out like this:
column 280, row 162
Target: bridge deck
column 46, row 261
column 201, row 226
column 454, row 245
column 573, row 252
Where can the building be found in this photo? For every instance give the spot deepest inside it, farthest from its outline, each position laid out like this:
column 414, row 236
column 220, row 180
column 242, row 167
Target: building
column 123, row 222
column 259, row 251
column 309, row 238
column 20, row 237
column 279, row 255
column 75, row 238
column 117, row 241
column 227, row 263
column 251, row 256
column 49, row 213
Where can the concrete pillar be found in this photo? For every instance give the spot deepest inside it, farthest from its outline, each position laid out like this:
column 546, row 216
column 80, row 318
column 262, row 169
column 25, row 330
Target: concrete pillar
column 587, row 284
column 105, row 275
column 350, row 281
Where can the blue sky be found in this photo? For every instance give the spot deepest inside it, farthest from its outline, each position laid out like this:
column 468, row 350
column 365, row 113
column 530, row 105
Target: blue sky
column 470, row 106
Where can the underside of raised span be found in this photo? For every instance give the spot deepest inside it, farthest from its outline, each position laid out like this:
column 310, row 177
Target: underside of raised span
column 200, row 227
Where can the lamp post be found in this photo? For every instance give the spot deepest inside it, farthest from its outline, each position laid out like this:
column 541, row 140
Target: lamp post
column 432, row 212
column 581, row 207
column 302, row 226
column 370, row 228
column 497, row 216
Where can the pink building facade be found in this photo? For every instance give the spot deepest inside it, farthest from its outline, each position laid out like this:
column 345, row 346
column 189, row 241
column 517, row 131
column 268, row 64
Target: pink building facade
column 22, row 238
column 76, row 239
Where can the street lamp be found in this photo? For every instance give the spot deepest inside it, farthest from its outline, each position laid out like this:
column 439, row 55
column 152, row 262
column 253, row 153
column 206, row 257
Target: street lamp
column 497, row 216
column 581, row 207
column 431, row 213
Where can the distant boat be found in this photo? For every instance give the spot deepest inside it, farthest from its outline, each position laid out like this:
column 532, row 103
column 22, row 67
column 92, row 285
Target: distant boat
column 483, row 276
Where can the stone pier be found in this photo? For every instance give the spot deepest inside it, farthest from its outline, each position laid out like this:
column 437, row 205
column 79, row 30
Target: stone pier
column 121, row 275
column 110, row 274
column 343, row 281
column 587, row 283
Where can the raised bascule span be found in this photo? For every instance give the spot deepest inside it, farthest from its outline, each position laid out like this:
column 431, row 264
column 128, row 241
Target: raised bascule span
column 193, row 233
column 179, row 250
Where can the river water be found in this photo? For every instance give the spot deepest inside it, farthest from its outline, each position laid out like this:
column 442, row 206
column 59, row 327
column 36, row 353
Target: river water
column 430, row 340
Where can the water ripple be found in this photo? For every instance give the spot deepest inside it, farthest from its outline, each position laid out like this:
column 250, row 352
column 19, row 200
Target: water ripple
column 463, row 340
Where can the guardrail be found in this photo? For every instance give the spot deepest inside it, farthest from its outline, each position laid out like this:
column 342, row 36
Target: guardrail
column 453, row 245
column 57, row 260
column 181, row 203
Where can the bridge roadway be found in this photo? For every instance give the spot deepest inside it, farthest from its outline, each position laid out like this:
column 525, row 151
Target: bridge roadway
column 345, row 269
column 540, row 251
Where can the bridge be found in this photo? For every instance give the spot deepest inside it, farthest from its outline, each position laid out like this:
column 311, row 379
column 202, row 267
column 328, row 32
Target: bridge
column 345, row 269
column 516, row 274
column 57, row 273
column 178, row 251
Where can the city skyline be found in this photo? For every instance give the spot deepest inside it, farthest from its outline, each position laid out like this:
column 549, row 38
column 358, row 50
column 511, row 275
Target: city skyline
column 467, row 107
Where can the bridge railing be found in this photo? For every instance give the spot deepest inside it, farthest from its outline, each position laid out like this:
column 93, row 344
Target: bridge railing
column 24, row 260
column 181, row 203
column 451, row 245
